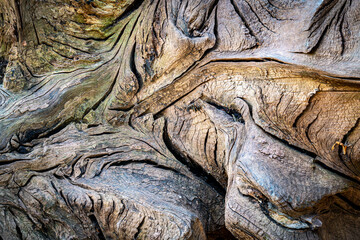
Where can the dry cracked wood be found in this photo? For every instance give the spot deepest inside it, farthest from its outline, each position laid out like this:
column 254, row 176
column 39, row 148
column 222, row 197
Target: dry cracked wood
column 192, row 119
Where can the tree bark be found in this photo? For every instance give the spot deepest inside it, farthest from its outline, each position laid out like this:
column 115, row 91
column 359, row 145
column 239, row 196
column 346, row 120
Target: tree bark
column 192, row 119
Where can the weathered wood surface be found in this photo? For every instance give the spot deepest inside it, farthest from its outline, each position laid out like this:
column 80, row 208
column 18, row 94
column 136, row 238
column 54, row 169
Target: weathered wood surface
column 193, row 119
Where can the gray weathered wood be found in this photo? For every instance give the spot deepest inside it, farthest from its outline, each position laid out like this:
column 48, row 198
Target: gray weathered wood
column 192, row 119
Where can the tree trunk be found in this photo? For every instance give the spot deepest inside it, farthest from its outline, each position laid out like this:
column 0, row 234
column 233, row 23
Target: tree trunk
column 169, row 119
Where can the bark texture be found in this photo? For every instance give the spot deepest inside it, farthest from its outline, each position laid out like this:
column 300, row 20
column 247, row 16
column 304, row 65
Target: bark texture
column 169, row 119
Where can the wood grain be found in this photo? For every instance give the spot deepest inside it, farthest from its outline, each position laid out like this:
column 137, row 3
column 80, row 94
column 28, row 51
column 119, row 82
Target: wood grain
column 154, row 119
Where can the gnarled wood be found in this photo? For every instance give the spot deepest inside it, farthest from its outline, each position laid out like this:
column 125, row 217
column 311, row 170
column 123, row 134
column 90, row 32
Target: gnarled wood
column 154, row 119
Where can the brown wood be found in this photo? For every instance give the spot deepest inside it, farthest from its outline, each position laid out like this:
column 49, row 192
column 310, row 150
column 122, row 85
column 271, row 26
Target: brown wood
column 192, row 119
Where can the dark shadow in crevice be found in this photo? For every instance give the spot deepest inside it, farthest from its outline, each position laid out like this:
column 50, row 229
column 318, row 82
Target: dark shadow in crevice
column 3, row 64
column 95, row 222
column 236, row 116
column 336, row 172
column 220, row 234
column 193, row 166
column 145, row 161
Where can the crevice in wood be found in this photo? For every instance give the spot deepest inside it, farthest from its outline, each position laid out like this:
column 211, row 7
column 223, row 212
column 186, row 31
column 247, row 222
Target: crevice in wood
column 301, row 150
column 98, row 229
column 92, row 203
column 313, row 49
column 341, row 14
column 205, row 142
column 277, row 106
column 19, row 20
column 243, row 60
column 148, row 144
column 321, row 17
column 349, row 202
column 118, row 37
column 3, row 64
column 52, row 48
column 307, row 129
column 145, row 161
column 324, row 166
column 212, row 7
column 321, row 12
column 105, row 96
column 272, row 15
column 216, row 149
column 7, row 162
column 91, row 38
column 257, row 17
column 61, row 193
column 352, row 129
column 273, row 5
column 308, row 108
column 263, row 203
column 158, row 114
column 139, row 228
column 235, row 115
column 18, row 231
column 23, row 150
column 242, row 17
column 70, row 46
column 108, row 217
column 194, row 167
column 129, row 10
column 54, row 187
column 36, row 33
column 210, row 10
column 134, row 69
